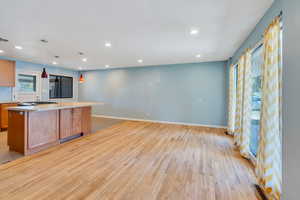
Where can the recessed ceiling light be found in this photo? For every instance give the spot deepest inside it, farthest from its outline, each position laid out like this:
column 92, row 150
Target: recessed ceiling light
column 107, row 44
column 1, row 51
column 107, row 66
column 194, row 31
column 84, row 59
column 140, row 60
column 18, row 47
column 54, row 63
column 198, row 56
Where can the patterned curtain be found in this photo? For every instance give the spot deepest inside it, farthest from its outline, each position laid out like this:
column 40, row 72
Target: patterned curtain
column 269, row 160
column 239, row 101
column 245, row 132
column 232, row 100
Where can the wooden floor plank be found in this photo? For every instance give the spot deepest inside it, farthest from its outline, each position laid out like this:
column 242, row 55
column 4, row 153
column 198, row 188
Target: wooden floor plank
column 134, row 160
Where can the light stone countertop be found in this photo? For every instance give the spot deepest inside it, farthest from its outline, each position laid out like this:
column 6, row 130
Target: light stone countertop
column 58, row 106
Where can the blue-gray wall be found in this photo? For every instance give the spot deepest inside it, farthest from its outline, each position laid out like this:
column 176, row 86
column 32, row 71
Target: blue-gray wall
column 257, row 33
column 291, row 99
column 6, row 92
column 186, row 93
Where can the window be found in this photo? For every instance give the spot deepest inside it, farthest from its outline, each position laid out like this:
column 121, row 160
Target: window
column 60, row 87
column 235, row 82
column 236, row 76
column 26, row 83
column 256, row 70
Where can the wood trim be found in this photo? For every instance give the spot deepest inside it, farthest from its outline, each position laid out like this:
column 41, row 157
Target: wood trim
column 40, row 148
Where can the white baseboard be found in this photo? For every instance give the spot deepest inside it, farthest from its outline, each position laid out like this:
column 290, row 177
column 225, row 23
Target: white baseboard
column 162, row 122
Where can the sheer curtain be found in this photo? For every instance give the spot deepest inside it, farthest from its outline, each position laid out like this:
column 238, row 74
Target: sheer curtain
column 269, row 158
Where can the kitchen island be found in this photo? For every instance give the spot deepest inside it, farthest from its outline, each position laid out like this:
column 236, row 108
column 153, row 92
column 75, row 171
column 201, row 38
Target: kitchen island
column 35, row 128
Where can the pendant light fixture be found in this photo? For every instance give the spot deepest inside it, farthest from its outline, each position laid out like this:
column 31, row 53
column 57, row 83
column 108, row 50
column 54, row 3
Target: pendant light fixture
column 44, row 73
column 81, row 79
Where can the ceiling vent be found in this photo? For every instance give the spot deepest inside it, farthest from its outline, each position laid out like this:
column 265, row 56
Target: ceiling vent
column 3, row 40
column 44, row 41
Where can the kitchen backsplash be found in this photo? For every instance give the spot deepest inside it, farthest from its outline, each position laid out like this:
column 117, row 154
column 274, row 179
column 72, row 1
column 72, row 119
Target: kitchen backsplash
column 5, row 94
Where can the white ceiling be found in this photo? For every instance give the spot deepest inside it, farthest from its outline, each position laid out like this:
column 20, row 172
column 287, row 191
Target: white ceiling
column 156, row 31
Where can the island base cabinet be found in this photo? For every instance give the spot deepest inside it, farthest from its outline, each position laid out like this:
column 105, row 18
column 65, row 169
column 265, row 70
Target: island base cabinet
column 30, row 132
column 43, row 130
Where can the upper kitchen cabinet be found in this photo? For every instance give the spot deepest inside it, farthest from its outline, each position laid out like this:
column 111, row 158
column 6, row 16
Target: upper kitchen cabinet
column 7, row 73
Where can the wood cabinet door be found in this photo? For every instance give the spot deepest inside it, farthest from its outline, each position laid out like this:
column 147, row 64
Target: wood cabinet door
column 2, row 117
column 43, row 128
column 77, row 128
column 66, row 123
column 17, row 132
column 7, row 73
column 4, row 114
column 86, row 120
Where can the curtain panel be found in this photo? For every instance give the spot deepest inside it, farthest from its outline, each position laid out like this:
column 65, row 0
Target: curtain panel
column 239, row 101
column 231, row 101
column 269, row 158
column 245, row 132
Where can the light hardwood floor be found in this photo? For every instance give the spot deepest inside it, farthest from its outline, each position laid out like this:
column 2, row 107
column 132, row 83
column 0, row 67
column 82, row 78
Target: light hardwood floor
column 134, row 160
column 98, row 123
column 5, row 154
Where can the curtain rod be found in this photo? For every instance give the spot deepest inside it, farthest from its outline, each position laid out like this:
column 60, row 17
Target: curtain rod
column 281, row 26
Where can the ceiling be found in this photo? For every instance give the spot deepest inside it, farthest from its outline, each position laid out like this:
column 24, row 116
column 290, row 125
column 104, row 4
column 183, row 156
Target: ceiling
column 156, row 31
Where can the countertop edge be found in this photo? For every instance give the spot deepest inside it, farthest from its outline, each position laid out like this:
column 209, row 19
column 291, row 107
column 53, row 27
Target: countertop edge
column 51, row 107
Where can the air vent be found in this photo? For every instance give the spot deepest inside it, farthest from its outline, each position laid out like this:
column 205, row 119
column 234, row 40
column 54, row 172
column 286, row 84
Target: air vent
column 3, row 40
column 44, row 41
column 56, row 56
